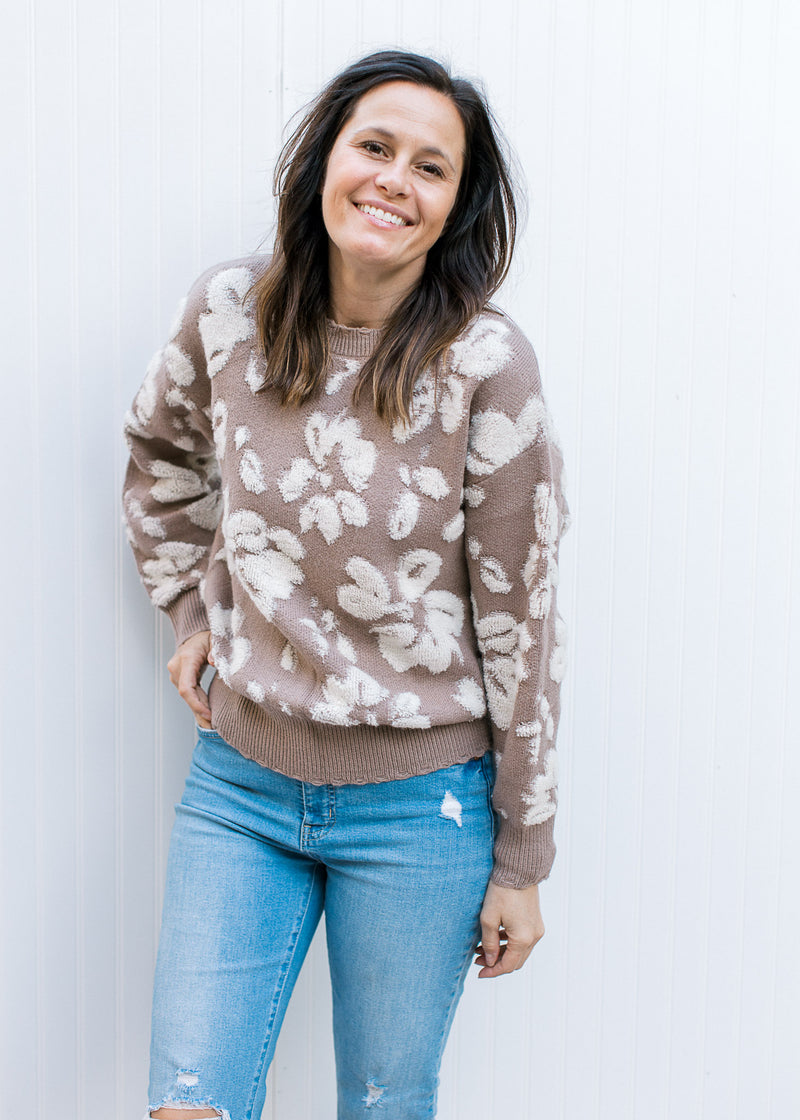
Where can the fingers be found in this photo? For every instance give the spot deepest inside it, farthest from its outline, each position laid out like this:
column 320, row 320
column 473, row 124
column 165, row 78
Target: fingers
column 490, row 938
column 511, row 924
column 185, row 670
column 511, row 957
column 190, row 691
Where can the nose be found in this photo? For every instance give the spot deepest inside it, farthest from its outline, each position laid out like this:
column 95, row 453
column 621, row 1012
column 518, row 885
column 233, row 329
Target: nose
column 393, row 177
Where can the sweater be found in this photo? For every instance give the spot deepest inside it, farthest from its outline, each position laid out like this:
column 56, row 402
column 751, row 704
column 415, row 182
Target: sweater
column 381, row 598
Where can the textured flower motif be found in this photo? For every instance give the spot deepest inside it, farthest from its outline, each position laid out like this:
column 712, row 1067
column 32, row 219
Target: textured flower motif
column 219, row 427
column 266, row 560
column 179, row 368
column 495, row 439
column 175, row 484
column 226, row 322
column 356, row 689
column 492, row 573
column 403, row 516
column 341, row 374
column 480, row 353
column 175, row 559
column 502, row 641
column 540, row 798
column 447, row 399
column 470, row 695
column 251, row 472
column 338, row 438
column 327, row 631
column 205, row 512
column 537, row 730
column 483, row 350
column 256, row 373
column 405, row 644
column 150, row 526
column 354, row 698
column 541, row 570
column 231, row 649
column 404, row 711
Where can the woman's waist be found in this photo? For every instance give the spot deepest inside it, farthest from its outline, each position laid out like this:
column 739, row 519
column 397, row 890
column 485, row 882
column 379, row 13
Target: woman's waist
column 340, row 754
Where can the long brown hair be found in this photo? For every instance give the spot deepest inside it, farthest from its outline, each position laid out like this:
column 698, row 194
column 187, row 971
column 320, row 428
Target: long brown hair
column 462, row 270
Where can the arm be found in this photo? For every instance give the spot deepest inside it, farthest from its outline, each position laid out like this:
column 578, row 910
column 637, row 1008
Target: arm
column 514, row 517
column 171, row 495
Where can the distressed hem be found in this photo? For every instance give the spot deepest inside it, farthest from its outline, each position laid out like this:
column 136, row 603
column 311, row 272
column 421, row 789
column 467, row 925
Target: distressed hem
column 184, row 1104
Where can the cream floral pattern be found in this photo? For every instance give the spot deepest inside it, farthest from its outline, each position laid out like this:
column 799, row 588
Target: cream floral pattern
column 335, row 565
column 330, row 442
column 232, row 650
column 266, row 560
column 226, row 322
column 405, row 643
column 430, row 482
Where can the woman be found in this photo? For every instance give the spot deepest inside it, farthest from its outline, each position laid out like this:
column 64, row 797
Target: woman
column 344, row 491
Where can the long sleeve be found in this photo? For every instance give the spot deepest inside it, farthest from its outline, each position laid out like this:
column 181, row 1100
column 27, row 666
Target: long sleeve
column 515, row 513
column 172, row 495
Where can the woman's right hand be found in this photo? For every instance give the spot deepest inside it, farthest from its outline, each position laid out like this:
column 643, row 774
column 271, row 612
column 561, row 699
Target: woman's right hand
column 185, row 670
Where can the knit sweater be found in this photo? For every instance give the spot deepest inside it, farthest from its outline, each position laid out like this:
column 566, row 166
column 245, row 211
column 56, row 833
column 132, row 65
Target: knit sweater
column 381, row 598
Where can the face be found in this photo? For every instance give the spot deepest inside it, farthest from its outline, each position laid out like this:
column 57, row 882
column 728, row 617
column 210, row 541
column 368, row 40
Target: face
column 391, row 181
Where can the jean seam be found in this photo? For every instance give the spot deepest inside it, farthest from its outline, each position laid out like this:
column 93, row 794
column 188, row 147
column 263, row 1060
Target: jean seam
column 454, row 998
column 487, row 772
column 279, row 989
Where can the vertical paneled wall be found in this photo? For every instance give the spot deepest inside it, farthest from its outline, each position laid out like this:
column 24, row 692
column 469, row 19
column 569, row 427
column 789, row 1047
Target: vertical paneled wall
column 657, row 277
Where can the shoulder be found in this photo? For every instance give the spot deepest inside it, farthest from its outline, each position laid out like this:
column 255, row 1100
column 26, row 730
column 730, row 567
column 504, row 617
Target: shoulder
column 226, row 280
column 496, row 355
column 217, row 301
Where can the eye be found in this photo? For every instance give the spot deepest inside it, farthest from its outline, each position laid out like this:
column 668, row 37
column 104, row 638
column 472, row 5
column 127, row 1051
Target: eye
column 432, row 169
column 373, row 147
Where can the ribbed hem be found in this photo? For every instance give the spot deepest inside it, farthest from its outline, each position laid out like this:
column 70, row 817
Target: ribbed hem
column 523, row 856
column 352, row 342
column 327, row 754
column 187, row 614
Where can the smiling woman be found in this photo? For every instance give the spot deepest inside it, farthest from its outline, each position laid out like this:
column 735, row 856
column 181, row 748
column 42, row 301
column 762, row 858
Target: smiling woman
column 344, row 489
column 390, row 185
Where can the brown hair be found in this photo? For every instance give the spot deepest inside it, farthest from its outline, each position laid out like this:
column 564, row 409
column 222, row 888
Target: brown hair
column 462, row 270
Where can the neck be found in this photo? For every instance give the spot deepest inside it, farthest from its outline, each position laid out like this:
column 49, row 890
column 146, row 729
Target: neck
column 362, row 297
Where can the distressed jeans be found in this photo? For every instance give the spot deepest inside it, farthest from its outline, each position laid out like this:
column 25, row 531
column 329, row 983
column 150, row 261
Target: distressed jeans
column 399, row 869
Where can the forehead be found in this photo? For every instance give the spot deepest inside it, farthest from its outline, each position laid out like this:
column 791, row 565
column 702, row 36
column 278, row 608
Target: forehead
column 415, row 113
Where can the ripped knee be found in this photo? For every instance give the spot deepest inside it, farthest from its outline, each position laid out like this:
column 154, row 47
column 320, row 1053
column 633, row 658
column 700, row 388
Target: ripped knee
column 374, row 1094
column 187, row 1100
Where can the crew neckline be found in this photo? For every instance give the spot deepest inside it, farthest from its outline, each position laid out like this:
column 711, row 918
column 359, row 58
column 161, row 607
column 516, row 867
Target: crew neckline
column 352, row 342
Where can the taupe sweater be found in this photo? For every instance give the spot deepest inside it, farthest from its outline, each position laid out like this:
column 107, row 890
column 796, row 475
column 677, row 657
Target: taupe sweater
column 381, row 600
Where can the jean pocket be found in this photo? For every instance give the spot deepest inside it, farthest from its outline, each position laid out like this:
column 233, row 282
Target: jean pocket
column 207, row 732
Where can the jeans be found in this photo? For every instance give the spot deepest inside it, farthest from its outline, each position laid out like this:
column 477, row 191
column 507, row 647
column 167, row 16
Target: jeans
column 399, row 868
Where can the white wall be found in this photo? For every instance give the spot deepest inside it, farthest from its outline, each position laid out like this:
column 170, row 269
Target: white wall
column 658, row 279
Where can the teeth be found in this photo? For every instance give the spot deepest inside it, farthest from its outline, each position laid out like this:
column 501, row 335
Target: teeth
column 384, row 217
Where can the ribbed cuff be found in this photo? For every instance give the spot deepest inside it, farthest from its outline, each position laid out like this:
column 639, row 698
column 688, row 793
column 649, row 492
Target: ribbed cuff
column 523, row 855
column 187, row 614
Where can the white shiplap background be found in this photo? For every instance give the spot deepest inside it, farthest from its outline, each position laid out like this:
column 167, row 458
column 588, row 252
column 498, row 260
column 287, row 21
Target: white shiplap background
column 658, row 279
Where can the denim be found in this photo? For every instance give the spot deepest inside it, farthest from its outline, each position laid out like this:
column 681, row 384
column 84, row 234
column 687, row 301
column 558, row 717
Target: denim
column 399, row 869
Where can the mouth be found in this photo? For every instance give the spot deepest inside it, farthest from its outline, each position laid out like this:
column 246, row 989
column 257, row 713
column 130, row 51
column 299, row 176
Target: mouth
column 384, row 216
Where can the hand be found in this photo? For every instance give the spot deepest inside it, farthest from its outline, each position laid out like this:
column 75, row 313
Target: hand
column 185, row 670
column 511, row 924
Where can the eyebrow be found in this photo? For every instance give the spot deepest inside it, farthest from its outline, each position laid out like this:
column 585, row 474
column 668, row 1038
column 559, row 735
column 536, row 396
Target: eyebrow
column 385, row 132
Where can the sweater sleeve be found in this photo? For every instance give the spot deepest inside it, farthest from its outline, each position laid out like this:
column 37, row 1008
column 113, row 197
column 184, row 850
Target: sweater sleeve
column 171, row 497
column 515, row 512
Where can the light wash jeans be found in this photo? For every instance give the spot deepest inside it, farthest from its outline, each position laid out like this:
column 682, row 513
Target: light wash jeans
column 400, row 869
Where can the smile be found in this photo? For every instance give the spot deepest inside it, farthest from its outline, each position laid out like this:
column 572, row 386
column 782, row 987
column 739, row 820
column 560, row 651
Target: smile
column 382, row 215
